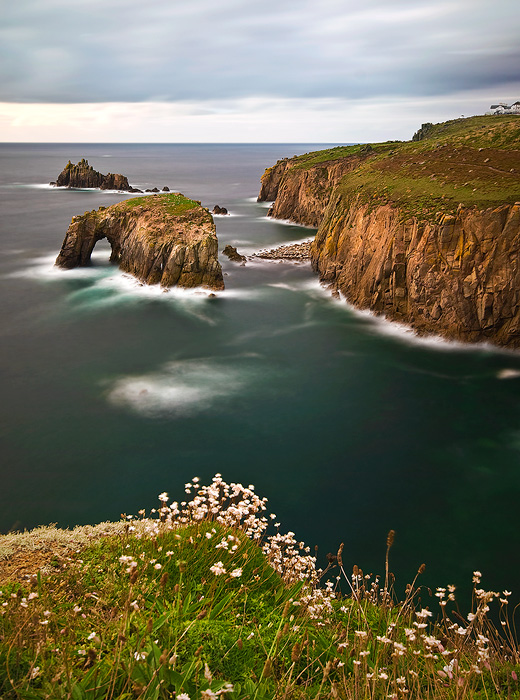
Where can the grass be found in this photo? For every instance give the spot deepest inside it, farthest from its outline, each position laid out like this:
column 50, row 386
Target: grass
column 474, row 162
column 308, row 160
column 199, row 601
column 172, row 203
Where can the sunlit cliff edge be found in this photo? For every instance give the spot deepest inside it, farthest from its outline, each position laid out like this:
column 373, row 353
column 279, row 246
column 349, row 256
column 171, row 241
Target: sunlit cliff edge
column 426, row 232
column 164, row 239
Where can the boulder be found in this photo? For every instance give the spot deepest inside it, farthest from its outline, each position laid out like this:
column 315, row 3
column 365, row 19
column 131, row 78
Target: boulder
column 219, row 210
column 233, row 254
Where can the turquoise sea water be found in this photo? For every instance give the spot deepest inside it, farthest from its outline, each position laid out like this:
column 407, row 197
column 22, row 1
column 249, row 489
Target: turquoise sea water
column 113, row 392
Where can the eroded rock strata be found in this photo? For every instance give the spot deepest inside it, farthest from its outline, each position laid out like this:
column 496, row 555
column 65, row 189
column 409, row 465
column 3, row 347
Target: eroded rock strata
column 163, row 239
column 425, row 232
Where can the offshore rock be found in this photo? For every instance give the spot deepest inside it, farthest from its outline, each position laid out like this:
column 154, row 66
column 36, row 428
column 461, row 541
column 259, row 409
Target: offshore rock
column 167, row 239
column 83, row 175
column 217, row 209
column 232, row 253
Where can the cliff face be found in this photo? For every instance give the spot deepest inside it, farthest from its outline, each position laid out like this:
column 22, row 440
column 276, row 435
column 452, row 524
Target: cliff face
column 426, row 233
column 302, row 195
column 163, row 239
column 84, row 175
column 459, row 277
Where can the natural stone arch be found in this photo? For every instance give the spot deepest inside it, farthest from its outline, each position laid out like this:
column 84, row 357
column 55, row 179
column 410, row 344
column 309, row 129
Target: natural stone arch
column 166, row 239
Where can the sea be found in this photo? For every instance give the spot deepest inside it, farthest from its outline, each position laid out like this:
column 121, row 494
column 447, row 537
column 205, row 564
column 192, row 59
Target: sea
column 113, row 392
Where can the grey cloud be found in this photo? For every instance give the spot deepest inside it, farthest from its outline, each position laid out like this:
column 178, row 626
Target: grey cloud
column 129, row 50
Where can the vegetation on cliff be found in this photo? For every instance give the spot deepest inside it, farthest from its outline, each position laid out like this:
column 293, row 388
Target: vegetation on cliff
column 198, row 601
column 474, row 162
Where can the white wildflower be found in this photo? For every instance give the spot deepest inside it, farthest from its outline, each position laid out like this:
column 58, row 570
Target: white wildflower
column 217, row 568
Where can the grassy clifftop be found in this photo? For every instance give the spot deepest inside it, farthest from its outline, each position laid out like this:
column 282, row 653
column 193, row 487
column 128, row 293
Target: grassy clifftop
column 474, row 162
column 198, row 602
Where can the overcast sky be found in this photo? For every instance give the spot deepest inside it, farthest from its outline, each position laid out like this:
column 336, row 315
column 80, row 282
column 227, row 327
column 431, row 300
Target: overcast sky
column 241, row 70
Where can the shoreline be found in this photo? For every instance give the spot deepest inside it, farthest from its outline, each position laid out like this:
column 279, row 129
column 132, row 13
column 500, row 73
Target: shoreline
column 292, row 251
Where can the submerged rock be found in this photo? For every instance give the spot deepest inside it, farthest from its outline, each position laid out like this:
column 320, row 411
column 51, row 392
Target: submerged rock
column 167, row 239
column 83, row 175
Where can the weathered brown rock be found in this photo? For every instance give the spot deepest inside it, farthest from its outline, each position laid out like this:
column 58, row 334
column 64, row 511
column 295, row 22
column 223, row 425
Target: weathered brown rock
column 293, row 251
column 459, row 278
column 83, row 175
column 232, row 253
column 217, row 209
column 166, row 239
column 115, row 182
column 302, row 195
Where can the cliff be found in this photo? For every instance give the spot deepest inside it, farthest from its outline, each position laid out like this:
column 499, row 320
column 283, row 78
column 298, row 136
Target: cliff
column 162, row 239
column 426, row 232
column 302, row 194
column 84, row 175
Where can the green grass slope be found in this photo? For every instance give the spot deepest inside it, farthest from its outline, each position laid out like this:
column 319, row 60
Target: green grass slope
column 474, row 162
column 199, row 602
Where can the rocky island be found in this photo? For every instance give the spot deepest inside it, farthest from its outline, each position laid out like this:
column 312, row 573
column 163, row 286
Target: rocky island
column 426, row 232
column 164, row 239
column 83, row 175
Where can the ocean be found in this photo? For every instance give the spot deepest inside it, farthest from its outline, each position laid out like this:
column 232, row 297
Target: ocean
column 113, row 392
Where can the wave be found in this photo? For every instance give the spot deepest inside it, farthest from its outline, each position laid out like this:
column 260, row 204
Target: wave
column 254, row 200
column 107, row 286
column 284, row 222
column 508, row 373
column 406, row 333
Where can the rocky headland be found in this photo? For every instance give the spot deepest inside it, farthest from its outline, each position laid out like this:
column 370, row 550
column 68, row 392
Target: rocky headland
column 165, row 239
column 426, row 232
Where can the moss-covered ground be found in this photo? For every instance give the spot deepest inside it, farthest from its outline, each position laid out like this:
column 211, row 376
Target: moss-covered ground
column 172, row 203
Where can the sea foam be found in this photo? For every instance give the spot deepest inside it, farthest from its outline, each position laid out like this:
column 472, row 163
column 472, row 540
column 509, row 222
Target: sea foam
column 183, row 387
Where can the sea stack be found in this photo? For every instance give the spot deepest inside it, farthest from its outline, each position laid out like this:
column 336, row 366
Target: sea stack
column 83, row 175
column 167, row 239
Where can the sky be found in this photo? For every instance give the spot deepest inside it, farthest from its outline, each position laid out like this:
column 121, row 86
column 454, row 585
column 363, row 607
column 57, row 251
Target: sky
column 300, row 71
